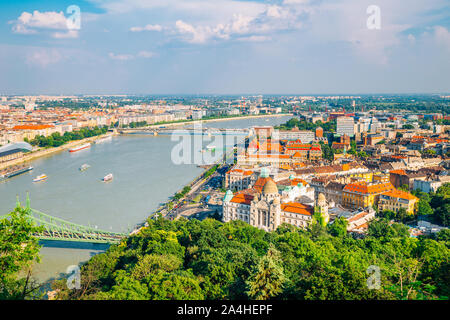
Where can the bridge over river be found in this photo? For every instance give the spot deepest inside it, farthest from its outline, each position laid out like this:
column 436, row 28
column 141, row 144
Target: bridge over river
column 61, row 230
column 192, row 131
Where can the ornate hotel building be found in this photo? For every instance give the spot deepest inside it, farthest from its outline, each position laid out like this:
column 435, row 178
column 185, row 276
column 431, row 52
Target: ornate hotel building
column 261, row 206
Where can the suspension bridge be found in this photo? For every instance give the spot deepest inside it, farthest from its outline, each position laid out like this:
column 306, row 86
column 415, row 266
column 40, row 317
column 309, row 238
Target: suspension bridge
column 61, row 230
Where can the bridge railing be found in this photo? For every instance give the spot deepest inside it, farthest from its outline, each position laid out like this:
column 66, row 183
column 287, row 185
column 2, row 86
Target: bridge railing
column 62, row 230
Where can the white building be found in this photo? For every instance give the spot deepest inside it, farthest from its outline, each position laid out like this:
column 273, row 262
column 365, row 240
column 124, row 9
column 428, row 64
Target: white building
column 261, row 207
column 305, row 136
column 430, row 185
column 345, row 125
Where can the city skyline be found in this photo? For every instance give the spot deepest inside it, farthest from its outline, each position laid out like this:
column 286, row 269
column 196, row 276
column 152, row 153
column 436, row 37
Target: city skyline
column 224, row 47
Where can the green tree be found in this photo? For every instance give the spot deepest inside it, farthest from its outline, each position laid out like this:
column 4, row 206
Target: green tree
column 19, row 250
column 402, row 214
column 424, row 208
column 126, row 288
column 363, row 155
column 267, row 280
column 338, row 228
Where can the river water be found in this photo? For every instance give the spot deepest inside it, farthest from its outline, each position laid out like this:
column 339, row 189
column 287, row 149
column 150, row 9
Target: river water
column 144, row 177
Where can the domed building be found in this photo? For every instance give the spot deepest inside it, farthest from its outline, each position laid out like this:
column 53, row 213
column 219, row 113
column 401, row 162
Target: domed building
column 261, row 207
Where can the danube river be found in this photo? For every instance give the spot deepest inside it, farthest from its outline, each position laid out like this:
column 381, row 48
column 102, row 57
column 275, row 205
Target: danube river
column 144, row 177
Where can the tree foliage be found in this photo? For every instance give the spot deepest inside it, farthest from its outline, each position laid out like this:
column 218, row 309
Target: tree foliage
column 19, row 250
column 268, row 278
column 191, row 259
column 56, row 139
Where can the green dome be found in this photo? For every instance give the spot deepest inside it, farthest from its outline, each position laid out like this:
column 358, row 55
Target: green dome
column 228, row 196
column 264, row 173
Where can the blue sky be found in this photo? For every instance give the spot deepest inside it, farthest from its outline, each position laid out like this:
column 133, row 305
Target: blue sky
column 224, row 47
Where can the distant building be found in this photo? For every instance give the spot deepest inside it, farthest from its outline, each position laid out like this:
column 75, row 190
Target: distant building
column 395, row 200
column 302, row 151
column 304, row 136
column 372, row 139
column 13, row 151
column 357, row 220
column 197, row 115
column 402, row 177
column 362, row 194
column 30, row 131
column 343, row 144
column 430, row 184
column 239, row 179
column 345, row 125
column 263, row 132
column 319, row 132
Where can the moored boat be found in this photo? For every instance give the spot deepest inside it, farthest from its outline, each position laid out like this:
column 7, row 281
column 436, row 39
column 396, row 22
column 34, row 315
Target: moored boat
column 40, row 178
column 83, row 146
column 14, row 171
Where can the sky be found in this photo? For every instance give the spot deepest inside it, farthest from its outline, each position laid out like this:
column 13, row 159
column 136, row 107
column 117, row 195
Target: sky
column 224, row 47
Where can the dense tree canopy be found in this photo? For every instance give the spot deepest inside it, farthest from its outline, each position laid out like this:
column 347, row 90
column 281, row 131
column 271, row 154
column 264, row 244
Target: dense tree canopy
column 56, row 139
column 329, row 126
column 213, row 260
column 436, row 205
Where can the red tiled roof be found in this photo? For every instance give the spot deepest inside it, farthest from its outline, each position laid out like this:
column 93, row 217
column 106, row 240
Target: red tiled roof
column 364, row 188
column 242, row 198
column 33, row 127
column 395, row 193
column 299, row 208
column 259, row 184
column 399, row 171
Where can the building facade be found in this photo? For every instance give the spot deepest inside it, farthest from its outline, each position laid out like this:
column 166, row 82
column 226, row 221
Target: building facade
column 362, row 194
column 395, row 200
column 262, row 207
column 345, row 125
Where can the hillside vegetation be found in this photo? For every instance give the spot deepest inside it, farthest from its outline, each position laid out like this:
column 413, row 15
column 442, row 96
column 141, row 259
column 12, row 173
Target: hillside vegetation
column 214, row 260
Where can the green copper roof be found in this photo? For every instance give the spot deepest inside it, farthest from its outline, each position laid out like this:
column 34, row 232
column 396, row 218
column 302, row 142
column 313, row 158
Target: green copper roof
column 228, row 196
column 264, row 173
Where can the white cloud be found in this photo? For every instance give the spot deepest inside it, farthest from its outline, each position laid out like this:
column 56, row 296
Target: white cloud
column 146, row 54
column 44, row 57
column 148, row 27
column 255, row 39
column 32, row 23
column 194, row 34
column 295, row 1
column 260, row 26
column 70, row 34
column 127, row 57
column 21, row 29
column 42, row 20
column 442, row 37
column 121, row 57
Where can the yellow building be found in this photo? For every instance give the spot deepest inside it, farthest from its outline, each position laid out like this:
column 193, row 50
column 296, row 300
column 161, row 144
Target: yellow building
column 394, row 200
column 367, row 176
column 362, row 194
column 30, row 131
column 380, row 177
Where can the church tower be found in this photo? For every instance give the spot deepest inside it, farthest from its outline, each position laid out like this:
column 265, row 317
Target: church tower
column 322, row 208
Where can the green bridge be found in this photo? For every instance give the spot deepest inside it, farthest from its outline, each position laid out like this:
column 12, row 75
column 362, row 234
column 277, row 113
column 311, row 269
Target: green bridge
column 62, row 230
